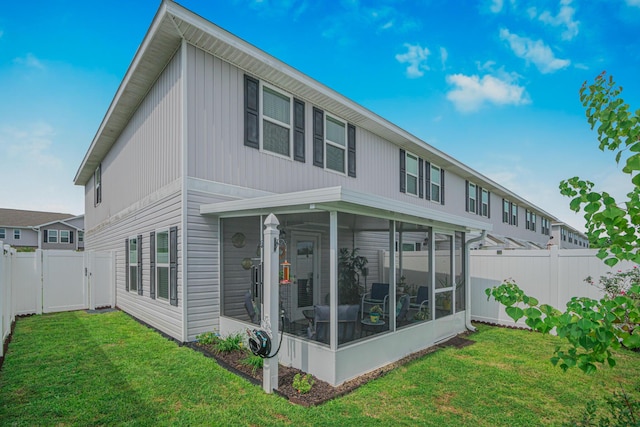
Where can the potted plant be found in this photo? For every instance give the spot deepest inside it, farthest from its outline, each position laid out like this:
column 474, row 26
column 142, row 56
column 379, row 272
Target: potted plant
column 421, row 315
column 350, row 265
column 375, row 313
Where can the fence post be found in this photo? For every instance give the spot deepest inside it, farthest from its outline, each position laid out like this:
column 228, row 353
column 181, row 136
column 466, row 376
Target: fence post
column 554, row 276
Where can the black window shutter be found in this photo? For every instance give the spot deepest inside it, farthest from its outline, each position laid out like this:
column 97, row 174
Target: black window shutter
column 139, row 264
column 126, row 262
column 466, row 195
column 173, row 266
column 251, row 113
column 442, row 186
column 71, row 237
column 46, row 236
column 152, row 265
column 478, row 200
column 420, row 178
column 488, row 204
column 351, row 142
column 403, row 171
column 298, row 130
column 427, row 167
column 318, row 137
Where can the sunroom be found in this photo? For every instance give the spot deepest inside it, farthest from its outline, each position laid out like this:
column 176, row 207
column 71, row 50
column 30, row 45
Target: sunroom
column 363, row 281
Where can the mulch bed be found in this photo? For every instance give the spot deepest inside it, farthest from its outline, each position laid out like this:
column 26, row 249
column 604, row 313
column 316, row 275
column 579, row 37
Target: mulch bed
column 321, row 391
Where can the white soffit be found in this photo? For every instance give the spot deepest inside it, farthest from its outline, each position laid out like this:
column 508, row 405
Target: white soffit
column 342, row 200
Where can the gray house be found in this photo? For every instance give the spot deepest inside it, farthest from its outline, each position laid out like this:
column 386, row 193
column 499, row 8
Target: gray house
column 41, row 230
column 207, row 135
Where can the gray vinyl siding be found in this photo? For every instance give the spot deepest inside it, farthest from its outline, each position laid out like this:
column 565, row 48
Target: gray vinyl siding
column 156, row 215
column 28, row 237
column 203, row 272
column 59, row 227
column 147, row 155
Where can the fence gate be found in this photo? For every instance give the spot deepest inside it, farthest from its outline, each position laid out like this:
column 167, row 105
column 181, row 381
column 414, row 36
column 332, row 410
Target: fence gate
column 63, row 287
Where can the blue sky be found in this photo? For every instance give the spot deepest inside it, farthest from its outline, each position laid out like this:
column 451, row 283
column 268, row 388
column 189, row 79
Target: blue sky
column 493, row 83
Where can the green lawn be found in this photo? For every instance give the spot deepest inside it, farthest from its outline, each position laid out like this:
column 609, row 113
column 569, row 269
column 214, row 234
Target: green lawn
column 89, row 369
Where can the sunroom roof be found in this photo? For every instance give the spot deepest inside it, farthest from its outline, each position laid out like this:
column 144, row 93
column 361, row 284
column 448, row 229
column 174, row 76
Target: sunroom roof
column 342, row 200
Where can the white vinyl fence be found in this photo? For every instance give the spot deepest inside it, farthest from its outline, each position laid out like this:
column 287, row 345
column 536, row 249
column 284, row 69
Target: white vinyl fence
column 551, row 276
column 48, row 281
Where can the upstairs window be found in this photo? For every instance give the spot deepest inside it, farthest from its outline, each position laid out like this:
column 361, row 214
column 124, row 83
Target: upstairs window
column 335, row 144
column 412, row 174
column 97, row 182
column 276, row 122
column 472, row 196
column 505, row 210
column 436, row 193
column 544, row 226
column 530, row 220
column 273, row 120
column 514, row 214
column 485, row 203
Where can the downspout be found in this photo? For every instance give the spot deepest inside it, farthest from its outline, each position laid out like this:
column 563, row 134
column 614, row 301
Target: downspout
column 468, row 280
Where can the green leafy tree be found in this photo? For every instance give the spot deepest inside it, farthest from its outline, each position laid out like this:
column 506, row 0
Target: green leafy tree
column 593, row 328
column 612, row 226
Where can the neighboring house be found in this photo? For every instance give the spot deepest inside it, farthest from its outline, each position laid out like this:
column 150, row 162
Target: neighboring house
column 44, row 230
column 207, row 135
column 567, row 237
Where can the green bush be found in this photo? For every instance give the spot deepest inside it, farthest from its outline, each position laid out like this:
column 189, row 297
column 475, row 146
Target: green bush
column 303, row 383
column 255, row 362
column 623, row 409
column 208, row 338
column 230, row 343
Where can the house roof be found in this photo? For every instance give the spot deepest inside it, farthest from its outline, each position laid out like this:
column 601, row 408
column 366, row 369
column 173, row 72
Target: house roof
column 173, row 23
column 343, row 200
column 22, row 218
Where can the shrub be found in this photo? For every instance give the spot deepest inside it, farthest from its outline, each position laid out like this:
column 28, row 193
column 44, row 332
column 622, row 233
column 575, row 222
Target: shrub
column 623, row 409
column 208, row 338
column 230, row 343
column 255, row 362
column 303, row 383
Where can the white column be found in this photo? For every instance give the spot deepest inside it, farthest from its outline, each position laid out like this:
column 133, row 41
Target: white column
column 333, row 280
column 391, row 308
column 271, row 306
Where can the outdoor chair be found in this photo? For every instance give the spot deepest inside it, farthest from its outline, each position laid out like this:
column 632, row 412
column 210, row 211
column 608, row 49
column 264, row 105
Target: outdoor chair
column 378, row 295
column 347, row 320
column 421, row 299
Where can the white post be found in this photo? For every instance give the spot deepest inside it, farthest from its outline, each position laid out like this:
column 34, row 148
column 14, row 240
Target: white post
column 271, row 308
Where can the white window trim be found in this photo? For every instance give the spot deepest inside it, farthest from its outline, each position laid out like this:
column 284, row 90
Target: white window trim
column 132, row 265
column 438, row 184
column 473, row 203
column 49, row 236
column 68, row 236
column 275, row 121
column 407, row 174
column 344, row 147
column 80, row 236
column 506, row 209
column 97, row 182
column 163, row 265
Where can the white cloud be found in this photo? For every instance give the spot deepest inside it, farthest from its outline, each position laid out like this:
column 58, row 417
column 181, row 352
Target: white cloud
column 444, row 55
column 564, row 18
column 471, row 92
column 496, row 5
column 536, row 52
column 41, row 179
column 29, row 60
column 416, row 56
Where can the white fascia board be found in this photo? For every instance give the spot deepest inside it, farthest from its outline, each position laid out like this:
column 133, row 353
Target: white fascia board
column 334, row 198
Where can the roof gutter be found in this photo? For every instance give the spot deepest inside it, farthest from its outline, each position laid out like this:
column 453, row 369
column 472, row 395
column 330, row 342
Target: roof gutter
column 468, row 279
